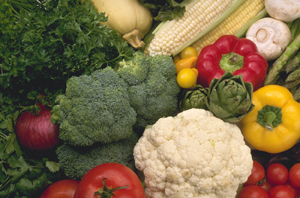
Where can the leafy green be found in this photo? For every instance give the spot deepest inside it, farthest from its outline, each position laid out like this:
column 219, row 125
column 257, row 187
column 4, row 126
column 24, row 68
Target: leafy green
column 21, row 175
column 163, row 10
column 8, row 11
column 53, row 166
column 42, row 44
column 45, row 46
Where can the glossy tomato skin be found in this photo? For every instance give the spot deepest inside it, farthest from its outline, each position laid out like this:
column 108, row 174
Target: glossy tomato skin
column 257, row 174
column 281, row 191
column 277, row 174
column 117, row 175
column 295, row 190
column 253, row 191
column 294, row 175
column 61, row 189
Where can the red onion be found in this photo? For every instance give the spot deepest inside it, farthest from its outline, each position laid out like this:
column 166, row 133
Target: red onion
column 36, row 131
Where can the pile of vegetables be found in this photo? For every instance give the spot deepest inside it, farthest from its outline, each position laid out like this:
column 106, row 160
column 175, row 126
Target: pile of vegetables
column 182, row 98
column 43, row 44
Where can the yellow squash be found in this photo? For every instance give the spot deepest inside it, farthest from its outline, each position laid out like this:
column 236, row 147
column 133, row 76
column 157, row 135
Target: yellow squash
column 274, row 123
column 129, row 18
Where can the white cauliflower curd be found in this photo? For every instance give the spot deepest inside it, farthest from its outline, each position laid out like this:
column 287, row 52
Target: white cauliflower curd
column 194, row 154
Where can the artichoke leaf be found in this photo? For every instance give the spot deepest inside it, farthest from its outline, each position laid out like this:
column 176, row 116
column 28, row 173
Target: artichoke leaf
column 230, row 98
column 194, row 98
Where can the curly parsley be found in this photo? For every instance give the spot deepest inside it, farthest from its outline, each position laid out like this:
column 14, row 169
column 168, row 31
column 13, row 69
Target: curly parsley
column 51, row 43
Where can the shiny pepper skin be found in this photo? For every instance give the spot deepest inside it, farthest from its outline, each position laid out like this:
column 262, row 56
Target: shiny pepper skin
column 238, row 56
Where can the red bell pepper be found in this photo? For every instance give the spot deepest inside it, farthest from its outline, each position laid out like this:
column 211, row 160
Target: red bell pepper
column 238, row 56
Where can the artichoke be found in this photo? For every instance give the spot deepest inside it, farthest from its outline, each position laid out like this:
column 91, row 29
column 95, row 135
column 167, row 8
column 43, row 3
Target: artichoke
column 230, row 98
column 194, row 98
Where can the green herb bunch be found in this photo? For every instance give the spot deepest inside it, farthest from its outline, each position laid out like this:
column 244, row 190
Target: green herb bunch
column 47, row 45
column 42, row 44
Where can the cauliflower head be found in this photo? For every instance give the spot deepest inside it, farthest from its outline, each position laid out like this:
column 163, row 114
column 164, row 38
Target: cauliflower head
column 194, row 154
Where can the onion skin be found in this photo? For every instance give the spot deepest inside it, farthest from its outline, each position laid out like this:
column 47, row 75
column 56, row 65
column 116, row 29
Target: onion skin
column 36, row 131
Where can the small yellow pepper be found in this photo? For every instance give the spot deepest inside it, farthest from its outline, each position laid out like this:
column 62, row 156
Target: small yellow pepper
column 274, row 124
column 187, row 78
column 188, row 52
column 189, row 62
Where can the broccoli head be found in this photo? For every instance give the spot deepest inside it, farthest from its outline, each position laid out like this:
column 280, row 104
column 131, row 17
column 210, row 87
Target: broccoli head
column 76, row 161
column 152, row 87
column 95, row 108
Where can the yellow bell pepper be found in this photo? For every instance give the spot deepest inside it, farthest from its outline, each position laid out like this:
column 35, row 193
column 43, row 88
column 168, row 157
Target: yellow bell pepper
column 274, row 124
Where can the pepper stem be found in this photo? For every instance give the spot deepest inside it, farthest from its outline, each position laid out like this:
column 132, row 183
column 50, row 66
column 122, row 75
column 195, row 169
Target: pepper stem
column 269, row 117
column 231, row 62
column 106, row 192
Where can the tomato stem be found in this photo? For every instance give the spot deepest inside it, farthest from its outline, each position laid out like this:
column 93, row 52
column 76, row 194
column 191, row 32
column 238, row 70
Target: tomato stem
column 106, row 192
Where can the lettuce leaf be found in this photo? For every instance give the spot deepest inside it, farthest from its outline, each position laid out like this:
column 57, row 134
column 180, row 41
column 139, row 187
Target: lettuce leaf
column 163, row 10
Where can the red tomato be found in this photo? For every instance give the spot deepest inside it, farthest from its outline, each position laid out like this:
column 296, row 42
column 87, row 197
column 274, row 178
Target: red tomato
column 114, row 175
column 295, row 190
column 294, row 175
column 253, row 191
column 281, row 191
column 277, row 174
column 266, row 185
column 257, row 174
column 61, row 189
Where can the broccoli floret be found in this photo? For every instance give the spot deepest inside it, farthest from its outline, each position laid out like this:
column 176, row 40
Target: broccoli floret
column 152, row 87
column 135, row 70
column 76, row 161
column 95, row 108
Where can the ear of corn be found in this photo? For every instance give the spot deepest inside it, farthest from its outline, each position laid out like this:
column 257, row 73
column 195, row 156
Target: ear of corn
column 200, row 17
column 242, row 31
column 234, row 23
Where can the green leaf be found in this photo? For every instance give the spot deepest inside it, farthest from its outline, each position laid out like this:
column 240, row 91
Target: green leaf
column 28, row 187
column 9, row 124
column 3, row 175
column 10, row 190
column 53, row 166
column 20, row 162
column 163, row 10
column 3, row 125
column 2, row 116
column 19, row 165
column 3, row 154
column 15, row 116
column 12, row 144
